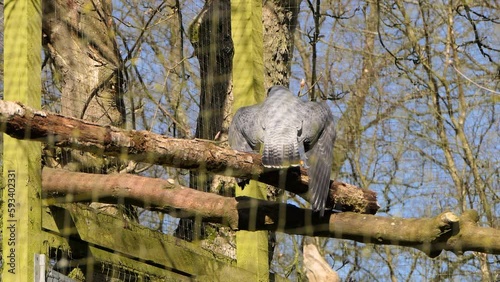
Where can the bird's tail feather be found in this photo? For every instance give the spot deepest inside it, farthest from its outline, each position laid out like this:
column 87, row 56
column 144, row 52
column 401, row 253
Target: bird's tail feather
column 281, row 154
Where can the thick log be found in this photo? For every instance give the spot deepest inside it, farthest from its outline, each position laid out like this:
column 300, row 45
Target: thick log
column 23, row 122
column 430, row 235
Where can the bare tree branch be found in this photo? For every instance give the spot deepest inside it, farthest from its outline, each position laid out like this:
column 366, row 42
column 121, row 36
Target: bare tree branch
column 430, row 235
column 23, row 122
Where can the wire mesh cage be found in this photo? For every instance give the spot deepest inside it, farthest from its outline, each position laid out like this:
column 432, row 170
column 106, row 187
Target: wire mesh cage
column 412, row 87
column 64, row 267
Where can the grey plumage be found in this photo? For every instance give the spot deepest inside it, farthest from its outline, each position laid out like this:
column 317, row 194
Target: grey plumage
column 290, row 131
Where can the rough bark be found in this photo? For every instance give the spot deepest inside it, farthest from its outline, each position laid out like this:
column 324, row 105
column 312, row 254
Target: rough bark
column 80, row 39
column 279, row 19
column 214, row 50
column 142, row 146
column 210, row 35
column 430, row 235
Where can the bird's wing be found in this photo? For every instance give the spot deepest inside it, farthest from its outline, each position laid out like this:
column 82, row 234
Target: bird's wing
column 319, row 137
column 244, row 134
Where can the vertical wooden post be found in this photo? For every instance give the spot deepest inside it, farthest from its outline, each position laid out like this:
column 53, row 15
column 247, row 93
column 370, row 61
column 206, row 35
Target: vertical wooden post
column 248, row 89
column 21, row 159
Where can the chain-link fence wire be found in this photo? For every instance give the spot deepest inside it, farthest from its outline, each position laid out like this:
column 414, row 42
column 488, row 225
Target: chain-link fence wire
column 140, row 58
column 63, row 266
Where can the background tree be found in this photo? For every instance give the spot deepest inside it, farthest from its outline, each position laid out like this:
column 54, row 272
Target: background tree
column 88, row 74
column 418, row 122
column 210, row 35
column 413, row 114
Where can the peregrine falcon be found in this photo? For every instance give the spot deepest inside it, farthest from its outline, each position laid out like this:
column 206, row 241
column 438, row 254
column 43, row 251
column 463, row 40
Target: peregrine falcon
column 292, row 132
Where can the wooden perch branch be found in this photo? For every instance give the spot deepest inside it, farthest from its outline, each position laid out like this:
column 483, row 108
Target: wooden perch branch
column 430, row 235
column 22, row 122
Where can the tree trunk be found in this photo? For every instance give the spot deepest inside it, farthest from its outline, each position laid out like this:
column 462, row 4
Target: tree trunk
column 214, row 50
column 210, row 35
column 279, row 18
column 79, row 38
